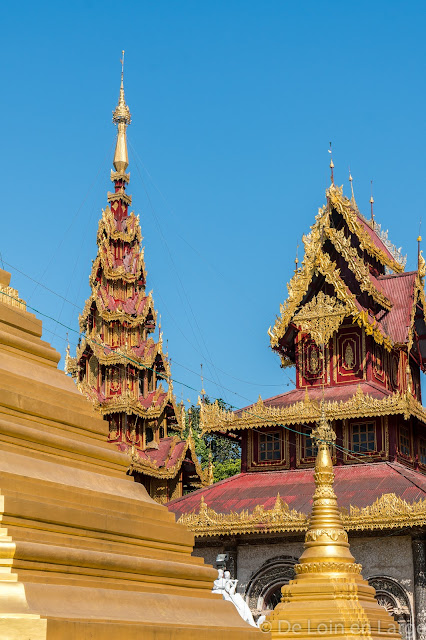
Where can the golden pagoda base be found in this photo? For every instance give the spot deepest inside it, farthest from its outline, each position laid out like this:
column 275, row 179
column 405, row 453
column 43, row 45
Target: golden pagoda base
column 328, row 598
column 84, row 551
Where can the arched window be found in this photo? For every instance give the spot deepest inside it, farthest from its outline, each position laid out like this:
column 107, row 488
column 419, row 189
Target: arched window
column 393, row 597
column 264, row 587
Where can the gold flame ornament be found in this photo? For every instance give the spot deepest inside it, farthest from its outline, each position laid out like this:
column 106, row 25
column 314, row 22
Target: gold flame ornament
column 329, row 597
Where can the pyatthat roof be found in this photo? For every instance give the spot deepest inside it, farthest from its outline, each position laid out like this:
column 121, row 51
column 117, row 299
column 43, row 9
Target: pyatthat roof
column 165, row 459
column 371, row 496
column 349, row 258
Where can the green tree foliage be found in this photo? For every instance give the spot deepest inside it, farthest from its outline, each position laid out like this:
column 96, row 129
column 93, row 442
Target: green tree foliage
column 225, row 452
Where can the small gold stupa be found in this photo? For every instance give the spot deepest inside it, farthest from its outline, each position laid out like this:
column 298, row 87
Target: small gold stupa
column 329, row 597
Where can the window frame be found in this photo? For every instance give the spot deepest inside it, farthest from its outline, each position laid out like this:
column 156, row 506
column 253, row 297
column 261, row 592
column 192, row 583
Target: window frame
column 354, row 445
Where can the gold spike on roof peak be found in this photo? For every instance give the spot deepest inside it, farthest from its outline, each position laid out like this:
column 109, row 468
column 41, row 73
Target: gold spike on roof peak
column 352, row 189
column 121, row 117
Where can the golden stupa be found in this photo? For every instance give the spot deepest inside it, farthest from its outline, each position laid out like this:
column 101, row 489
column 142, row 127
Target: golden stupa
column 84, row 551
column 329, row 597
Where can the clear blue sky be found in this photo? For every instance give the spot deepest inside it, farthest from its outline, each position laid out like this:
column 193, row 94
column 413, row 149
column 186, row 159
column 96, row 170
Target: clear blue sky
column 233, row 106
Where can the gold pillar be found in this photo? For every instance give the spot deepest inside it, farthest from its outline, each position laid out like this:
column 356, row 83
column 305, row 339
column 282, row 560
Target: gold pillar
column 328, row 597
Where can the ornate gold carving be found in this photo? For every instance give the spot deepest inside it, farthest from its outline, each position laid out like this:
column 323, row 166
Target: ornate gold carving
column 321, row 263
column 119, row 195
column 213, row 418
column 125, row 354
column 101, row 302
column 321, row 317
column 150, row 466
column 358, row 267
column 390, row 510
column 332, row 534
column 327, row 567
column 10, row 296
column 343, row 206
column 419, row 298
column 421, row 266
column 280, row 517
column 349, row 357
column 313, row 362
column 387, row 512
column 316, row 261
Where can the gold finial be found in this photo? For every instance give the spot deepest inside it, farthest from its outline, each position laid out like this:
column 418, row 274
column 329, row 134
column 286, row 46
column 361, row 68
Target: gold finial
column 121, row 117
column 296, row 261
column 330, row 151
column 324, row 432
column 352, row 188
column 372, row 203
column 203, row 393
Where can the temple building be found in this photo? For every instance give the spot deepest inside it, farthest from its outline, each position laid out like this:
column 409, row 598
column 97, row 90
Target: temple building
column 353, row 326
column 119, row 365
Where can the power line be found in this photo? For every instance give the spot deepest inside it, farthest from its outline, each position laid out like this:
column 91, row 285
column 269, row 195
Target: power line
column 138, row 364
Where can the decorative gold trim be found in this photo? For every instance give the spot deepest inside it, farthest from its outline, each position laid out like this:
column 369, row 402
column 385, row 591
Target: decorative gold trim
column 387, row 512
column 109, row 316
column 321, row 317
column 10, row 296
column 151, row 467
column 316, row 261
column 344, row 207
column 321, row 263
column 119, row 195
column 357, row 266
column 213, row 418
column 124, row 354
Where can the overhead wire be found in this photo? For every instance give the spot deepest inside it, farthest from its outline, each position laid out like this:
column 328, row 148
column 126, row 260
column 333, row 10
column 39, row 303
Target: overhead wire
column 209, row 359
column 78, row 307
column 233, row 407
column 214, row 269
column 79, row 208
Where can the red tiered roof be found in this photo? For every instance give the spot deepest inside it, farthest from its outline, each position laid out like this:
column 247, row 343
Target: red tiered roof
column 356, row 485
column 168, row 453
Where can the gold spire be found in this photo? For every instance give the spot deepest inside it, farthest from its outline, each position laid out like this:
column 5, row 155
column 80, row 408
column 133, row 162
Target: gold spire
column 296, row 261
column 372, row 203
column 203, row 393
column 121, row 117
column 328, row 592
column 330, row 151
column 352, row 189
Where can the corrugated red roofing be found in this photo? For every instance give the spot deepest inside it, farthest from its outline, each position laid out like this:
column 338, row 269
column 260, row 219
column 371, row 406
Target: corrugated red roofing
column 400, row 290
column 356, row 485
column 153, row 399
column 167, row 454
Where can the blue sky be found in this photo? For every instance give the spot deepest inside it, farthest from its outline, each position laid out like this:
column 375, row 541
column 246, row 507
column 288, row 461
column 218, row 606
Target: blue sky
column 233, row 106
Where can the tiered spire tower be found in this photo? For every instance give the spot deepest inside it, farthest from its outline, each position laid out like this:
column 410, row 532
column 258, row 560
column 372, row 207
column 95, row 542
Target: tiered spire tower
column 119, row 365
